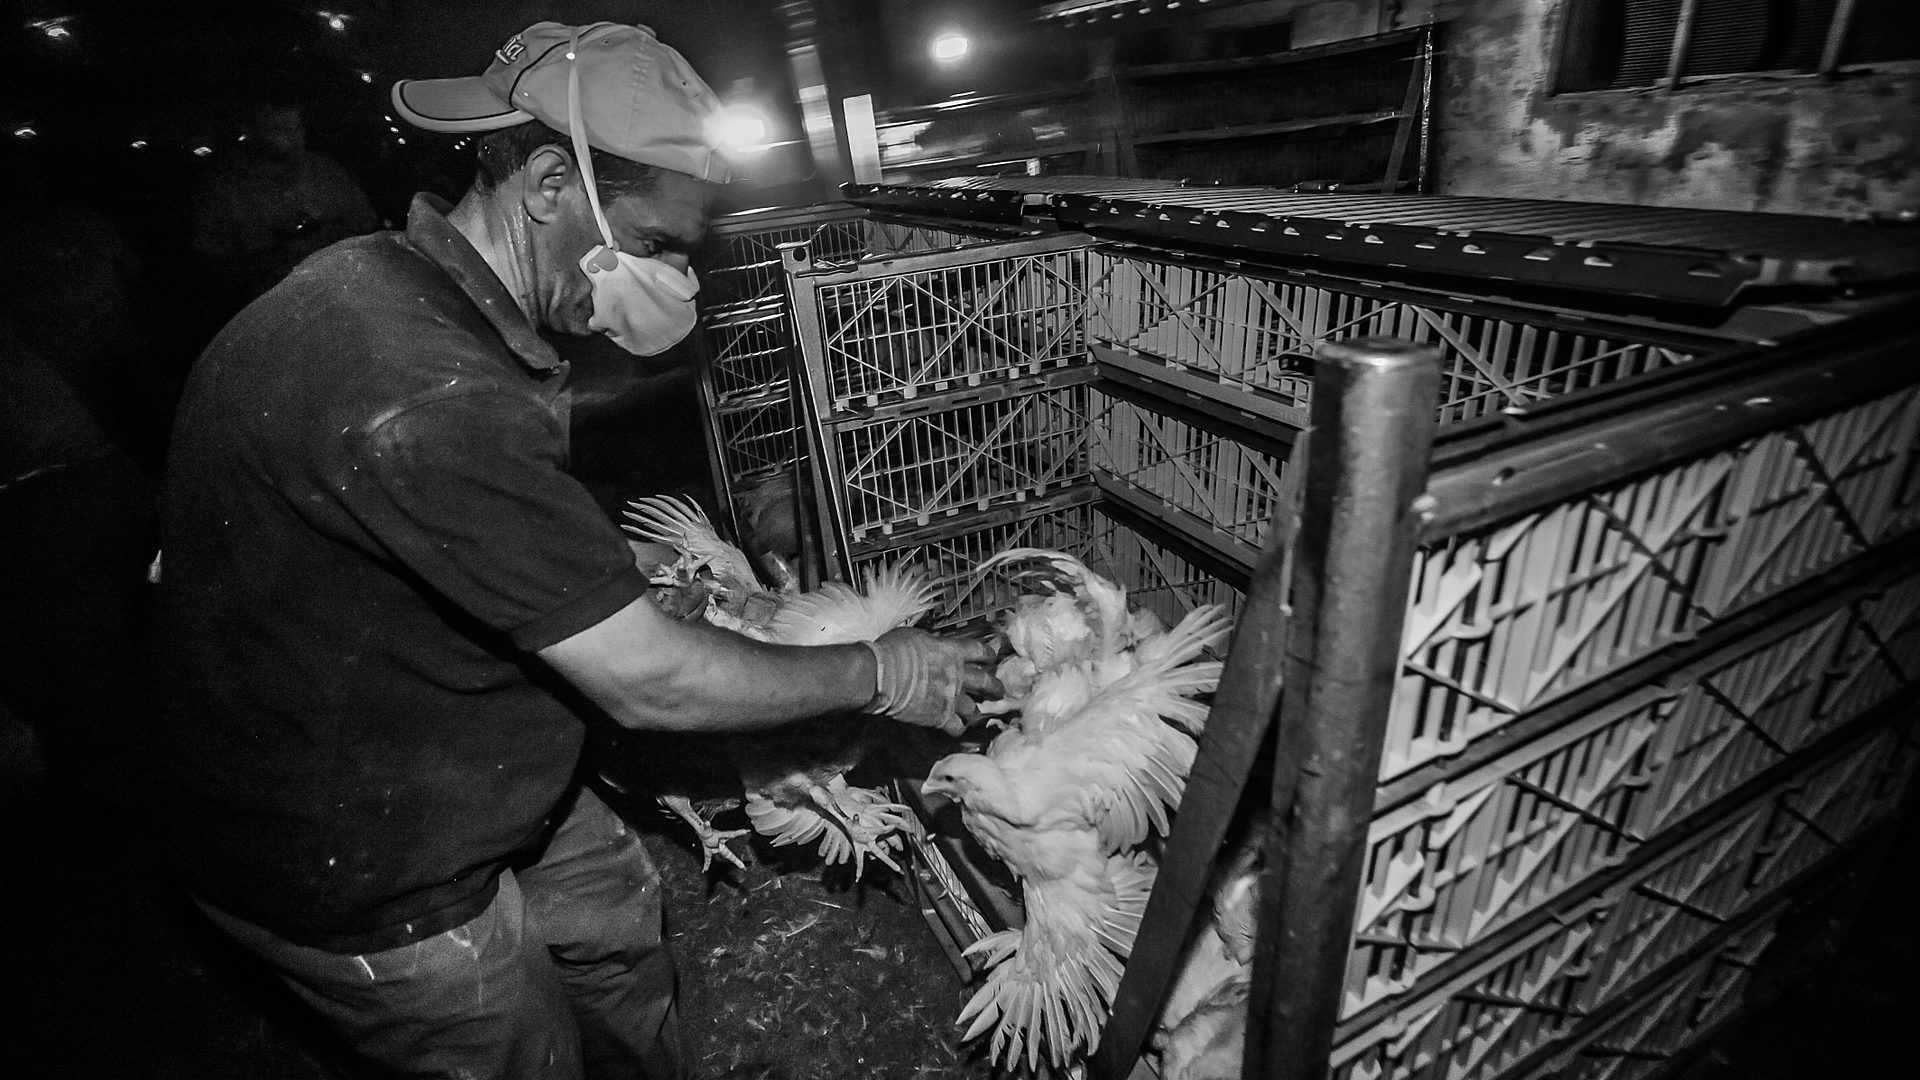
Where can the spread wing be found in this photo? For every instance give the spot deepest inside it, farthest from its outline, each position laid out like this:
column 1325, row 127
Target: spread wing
column 837, row 614
column 1118, row 753
column 682, row 525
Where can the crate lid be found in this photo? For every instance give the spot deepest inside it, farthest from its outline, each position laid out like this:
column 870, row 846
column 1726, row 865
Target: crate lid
column 1664, row 253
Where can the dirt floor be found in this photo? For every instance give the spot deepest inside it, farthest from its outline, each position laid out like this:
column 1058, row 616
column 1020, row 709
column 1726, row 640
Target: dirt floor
column 792, row 970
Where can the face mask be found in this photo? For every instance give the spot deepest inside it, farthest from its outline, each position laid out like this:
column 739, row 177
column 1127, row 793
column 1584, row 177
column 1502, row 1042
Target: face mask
column 644, row 305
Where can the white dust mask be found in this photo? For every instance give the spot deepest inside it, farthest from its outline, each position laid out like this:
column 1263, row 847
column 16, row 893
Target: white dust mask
column 645, row 305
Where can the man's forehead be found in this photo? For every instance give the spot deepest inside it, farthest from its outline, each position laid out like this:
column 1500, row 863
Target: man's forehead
column 677, row 207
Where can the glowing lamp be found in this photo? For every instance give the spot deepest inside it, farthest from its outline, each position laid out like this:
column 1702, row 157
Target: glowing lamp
column 740, row 130
column 950, row 47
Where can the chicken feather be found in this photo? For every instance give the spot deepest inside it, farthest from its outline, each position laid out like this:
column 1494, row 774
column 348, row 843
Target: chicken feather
column 1065, row 803
column 795, row 778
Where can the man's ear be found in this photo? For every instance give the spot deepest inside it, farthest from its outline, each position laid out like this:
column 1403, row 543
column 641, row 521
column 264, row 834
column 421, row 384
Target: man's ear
column 549, row 170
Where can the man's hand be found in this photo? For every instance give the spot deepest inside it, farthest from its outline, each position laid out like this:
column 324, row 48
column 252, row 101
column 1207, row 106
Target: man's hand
column 925, row 680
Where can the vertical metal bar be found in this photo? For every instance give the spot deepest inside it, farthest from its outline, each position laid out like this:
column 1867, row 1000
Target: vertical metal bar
column 1243, row 710
column 1682, row 38
column 811, row 388
column 1836, row 36
column 1373, row 424
column 1403, row 130
column 718, row 472
column 1423, row 177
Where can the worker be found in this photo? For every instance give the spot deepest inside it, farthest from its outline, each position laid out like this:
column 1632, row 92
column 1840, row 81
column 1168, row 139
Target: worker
column 385, row 608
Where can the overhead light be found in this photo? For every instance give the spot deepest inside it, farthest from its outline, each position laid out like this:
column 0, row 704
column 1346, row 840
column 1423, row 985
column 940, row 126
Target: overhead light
column 950, row 46
column 138, row 144
column 202, row 151
column 54, row 28
column 740, row 129
column 24, row 131
column 334, row 20
column 366, row 76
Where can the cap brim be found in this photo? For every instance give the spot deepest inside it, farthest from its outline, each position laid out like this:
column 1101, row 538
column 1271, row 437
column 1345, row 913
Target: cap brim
column 456, row 105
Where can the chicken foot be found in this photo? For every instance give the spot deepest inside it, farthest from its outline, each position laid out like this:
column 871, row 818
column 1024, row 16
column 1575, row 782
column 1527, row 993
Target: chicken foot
column 712, row 841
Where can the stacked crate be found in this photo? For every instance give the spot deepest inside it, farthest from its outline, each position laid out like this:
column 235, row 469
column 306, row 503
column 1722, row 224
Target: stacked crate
column 746, row 331
column 1634, row 718
column 1630, row 725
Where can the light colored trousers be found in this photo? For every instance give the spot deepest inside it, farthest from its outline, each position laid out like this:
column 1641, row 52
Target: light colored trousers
column 564, row 976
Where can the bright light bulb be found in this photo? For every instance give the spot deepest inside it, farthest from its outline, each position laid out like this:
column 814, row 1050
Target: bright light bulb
column 740, row 130
column 24, row 131
column 950, row 46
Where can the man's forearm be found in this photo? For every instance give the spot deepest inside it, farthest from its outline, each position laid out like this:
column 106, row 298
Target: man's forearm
column 650, row 672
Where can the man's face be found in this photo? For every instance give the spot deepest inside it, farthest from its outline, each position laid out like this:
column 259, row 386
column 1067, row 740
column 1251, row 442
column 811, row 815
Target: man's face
column 666, row 223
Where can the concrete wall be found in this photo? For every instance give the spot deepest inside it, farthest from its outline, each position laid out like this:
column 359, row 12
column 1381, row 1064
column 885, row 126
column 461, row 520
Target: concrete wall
column 1796, row 145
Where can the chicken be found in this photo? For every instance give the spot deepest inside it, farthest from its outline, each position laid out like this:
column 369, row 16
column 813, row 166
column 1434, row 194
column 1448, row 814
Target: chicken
column 1201, row 1030
column 737, row 600
column 1076, row 636
column 795, row 778
column 1066, row 804
column 1210, row 1041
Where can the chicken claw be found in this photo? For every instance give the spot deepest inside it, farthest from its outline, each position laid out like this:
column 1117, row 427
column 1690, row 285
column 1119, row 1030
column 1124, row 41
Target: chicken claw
column 712, row 841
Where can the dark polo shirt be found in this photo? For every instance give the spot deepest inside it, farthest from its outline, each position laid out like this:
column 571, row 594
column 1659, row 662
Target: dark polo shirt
column 367, row 531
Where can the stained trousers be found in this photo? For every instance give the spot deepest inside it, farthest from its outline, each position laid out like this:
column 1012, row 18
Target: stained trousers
column 564, row 976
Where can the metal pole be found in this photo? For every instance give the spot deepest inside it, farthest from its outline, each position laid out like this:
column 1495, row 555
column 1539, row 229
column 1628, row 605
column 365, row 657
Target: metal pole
column 1374, row 414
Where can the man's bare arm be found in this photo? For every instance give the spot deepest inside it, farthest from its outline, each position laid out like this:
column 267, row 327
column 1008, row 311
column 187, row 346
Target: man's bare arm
column 649, row 671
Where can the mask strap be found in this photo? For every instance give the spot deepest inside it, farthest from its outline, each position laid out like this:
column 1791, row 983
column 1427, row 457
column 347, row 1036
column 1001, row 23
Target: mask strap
column 577, row 127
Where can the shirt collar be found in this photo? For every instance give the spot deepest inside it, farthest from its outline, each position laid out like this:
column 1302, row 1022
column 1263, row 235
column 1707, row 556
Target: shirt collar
column 432, row 235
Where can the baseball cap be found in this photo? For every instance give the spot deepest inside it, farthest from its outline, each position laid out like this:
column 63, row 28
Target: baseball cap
column 639, row 98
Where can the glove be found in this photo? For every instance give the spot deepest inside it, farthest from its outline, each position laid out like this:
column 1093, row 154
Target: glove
column 925, row 680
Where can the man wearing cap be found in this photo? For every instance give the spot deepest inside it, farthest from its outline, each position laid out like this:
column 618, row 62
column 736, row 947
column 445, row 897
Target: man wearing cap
column 385, row 603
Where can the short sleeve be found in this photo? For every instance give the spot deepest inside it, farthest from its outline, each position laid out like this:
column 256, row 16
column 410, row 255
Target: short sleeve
column 467, row 492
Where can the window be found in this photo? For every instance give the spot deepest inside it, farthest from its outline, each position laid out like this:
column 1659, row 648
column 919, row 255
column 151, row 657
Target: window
column 1629, row 44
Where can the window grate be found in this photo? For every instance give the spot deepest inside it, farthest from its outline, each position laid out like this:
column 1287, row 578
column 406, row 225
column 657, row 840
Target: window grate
column 1636, row 44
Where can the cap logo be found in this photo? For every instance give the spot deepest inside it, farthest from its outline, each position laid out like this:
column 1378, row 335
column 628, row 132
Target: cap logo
column 510, row 53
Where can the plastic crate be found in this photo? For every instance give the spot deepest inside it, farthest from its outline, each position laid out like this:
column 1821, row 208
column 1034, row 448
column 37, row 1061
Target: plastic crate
column 1158, row 578
column 1225, row 483
column 747, row 356
column 758, row 435
column 1484, row 848
column 742, row 267
column 1260, row 334
column 979, row 452
column 1505, row 619
column 898, row 329
column 746, row 334
column 1643, row 1040
column 1492, row 1014
column 951, row 552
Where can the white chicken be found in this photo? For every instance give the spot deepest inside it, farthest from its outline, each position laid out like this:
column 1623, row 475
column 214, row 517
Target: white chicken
column 794, row 777
column 1065, row 804
column 1068, row 641
column 1201, row 1030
